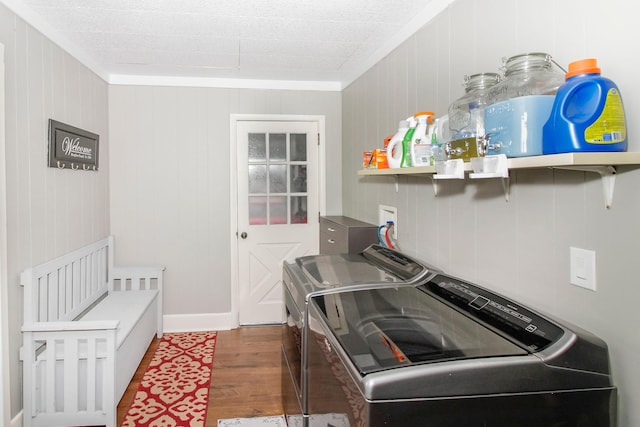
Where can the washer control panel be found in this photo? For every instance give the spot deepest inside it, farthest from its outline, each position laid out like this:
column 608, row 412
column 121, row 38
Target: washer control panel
column 511, row 319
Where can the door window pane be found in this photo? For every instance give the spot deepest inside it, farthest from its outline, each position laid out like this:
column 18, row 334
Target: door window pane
column 298, row 147
column 257, row 210
column 257, row 179
column 299, row 179
column 298, row 209
column 277, row 147
column 257, row 147
column 278, row 210
column 277, row 179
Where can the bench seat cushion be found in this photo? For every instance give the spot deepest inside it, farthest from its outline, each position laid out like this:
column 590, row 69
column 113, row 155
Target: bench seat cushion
column 125, row 306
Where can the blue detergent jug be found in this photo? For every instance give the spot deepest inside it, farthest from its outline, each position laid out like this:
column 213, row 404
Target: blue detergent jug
column 587, row 114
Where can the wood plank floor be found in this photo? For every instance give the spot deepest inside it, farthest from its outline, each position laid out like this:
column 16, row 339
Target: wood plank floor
column 245, row 380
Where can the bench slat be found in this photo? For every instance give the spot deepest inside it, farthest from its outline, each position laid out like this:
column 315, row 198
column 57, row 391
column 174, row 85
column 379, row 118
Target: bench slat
column 70, row 380
column 50, row 385
column 90, row 389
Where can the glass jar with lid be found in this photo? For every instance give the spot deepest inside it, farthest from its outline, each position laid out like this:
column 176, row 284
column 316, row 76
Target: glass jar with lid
column 519, row 106
column 466, row 117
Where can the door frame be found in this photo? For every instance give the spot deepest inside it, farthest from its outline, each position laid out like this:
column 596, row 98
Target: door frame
column 4, row 330
column 233, row 121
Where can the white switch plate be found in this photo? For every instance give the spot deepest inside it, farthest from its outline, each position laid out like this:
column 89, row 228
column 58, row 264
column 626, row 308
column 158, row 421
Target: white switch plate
column 388, row 213
column 582, row 268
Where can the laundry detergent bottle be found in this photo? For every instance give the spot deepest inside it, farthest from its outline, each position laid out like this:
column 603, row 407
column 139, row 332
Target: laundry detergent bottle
column 394, row 148
column 587, row 115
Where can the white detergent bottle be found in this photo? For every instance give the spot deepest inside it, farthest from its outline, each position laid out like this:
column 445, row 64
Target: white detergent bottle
column 394, row 148
column 421, row 141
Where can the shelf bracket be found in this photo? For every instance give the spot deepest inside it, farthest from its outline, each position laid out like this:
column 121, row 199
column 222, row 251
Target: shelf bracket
column 506, row 187
column 492, row 167
column 448, row 169
column 607, row 176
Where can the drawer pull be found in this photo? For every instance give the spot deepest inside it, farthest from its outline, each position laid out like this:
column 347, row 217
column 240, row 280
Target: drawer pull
column 331, row 241
column 331, row 229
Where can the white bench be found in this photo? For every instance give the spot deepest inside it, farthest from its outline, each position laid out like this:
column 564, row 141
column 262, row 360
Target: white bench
column 87, row 326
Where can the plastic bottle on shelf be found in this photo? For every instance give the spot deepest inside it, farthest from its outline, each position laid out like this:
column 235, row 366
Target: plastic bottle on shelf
column 587, row 115
column 441, row 136
column 436, row 148
column 406, row 143
column 394, row 148
column 420, row 140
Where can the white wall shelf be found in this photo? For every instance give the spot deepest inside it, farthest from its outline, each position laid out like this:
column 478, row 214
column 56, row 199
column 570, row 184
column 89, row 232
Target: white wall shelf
column 603, row 164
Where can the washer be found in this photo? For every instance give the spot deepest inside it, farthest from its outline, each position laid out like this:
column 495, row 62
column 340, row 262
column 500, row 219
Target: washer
column 305, row 277
column 433, row 350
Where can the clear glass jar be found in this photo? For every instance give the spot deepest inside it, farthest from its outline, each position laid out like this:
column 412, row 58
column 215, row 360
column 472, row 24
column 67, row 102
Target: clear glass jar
column 519, row 106
column 527, row 74
column 466, row 117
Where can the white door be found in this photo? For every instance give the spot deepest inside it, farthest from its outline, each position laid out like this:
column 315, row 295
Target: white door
column 277, row 210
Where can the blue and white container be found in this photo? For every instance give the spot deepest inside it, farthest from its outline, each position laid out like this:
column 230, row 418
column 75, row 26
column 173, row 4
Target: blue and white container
column 587, row 115
column 521, row 104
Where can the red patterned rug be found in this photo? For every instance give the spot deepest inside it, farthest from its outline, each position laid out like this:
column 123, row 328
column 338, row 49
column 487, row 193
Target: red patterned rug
column 174, row 390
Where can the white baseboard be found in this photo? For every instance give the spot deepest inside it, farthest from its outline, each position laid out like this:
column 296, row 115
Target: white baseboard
column 199, row 322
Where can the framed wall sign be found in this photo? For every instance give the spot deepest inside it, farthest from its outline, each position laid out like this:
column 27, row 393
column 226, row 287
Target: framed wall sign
column 71, row 147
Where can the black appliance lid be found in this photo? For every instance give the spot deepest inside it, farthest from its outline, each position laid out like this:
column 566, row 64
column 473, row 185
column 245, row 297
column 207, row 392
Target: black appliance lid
column 443, row 319
column 375, row 264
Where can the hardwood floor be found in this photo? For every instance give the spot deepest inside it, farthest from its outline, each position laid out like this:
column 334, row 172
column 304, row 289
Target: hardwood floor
column 245, row 380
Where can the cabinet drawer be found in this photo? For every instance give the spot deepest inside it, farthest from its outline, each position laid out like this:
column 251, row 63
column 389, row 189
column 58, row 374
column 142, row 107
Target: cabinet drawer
column 339, row 234
column 333, row 243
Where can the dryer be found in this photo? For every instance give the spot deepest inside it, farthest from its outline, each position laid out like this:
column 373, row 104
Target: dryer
column 430, row 349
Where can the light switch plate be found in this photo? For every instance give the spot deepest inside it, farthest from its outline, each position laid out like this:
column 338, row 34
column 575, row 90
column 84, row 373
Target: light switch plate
column 582, row 268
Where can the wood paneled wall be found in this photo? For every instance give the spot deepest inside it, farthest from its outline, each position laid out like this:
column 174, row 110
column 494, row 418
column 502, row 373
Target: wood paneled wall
column 170, row 184
column 49, row 211
column 519, row 247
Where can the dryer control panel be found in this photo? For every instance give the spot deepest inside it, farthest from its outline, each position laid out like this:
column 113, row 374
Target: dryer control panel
column 521, row 325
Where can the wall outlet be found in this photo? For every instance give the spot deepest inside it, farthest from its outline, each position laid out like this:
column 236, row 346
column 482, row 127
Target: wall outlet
column 582, row 268
column 388, row 213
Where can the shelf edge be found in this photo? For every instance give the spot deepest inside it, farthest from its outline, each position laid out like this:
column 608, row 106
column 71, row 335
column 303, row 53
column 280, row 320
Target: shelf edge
column 545, row 161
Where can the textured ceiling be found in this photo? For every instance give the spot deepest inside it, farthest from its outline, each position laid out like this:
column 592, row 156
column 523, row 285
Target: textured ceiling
column 309, row 40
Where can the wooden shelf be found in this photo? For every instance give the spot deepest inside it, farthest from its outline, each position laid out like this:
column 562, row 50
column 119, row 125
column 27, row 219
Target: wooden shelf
column 564, row 160
column 604, row 164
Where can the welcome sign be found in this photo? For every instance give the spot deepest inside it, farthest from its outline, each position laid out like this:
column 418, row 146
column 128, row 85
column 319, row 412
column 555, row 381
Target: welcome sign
column 71, row 147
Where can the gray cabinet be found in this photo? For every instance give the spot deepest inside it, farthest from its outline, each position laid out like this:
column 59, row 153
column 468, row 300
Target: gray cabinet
column 341, row 234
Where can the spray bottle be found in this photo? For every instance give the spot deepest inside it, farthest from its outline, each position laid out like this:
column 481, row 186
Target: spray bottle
column 421, row 141
column 406, row 143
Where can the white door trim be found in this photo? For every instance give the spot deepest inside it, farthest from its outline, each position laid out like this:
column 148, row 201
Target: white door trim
column 4, row 332
column 234, row 119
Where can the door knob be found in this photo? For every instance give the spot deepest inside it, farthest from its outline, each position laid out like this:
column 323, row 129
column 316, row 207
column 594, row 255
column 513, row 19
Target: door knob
column 243, row 235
